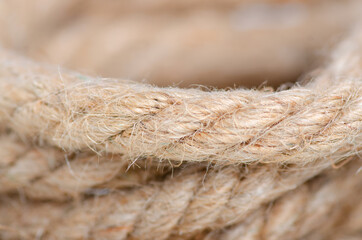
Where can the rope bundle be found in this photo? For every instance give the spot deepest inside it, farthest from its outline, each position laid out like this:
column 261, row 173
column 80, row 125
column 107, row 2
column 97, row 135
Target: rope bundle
column 92, row 158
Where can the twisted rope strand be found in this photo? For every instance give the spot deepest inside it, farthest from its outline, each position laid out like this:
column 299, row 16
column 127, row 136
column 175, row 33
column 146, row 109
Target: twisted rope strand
column 298, row 214
column 47, row 173
column 140, row 121
column 299, row 132
column 152, row 210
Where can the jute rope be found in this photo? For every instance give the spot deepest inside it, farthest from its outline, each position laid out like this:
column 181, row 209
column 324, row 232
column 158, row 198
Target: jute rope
column 213, row 199
column 164, row 211
column 238, row 126
column 299, row 214
column 250, row 164
column 50, row 173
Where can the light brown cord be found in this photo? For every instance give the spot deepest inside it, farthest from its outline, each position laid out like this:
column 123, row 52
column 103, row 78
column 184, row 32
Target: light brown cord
column 288, row 137
column 50, row 173
column 153, row 212
column 138, row 120
column 299, row 214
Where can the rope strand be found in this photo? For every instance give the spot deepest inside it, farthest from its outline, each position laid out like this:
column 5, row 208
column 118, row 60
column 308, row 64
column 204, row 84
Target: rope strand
column 238, row 126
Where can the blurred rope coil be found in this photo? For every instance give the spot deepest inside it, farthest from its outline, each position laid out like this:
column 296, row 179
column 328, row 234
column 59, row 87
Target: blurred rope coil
column 100, row 158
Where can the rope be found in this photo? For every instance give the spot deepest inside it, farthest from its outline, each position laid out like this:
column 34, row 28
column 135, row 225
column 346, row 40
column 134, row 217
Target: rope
column 250, row 163
column 50, row 173
column 166, row 210
column 237, row 126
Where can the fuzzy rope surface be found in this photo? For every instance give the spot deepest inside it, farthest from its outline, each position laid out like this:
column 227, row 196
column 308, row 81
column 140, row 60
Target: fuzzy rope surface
column 76, row 112
column 190, row 201
column 164, row 212
column 299, row 214
column 51, row 173
column 289, row 138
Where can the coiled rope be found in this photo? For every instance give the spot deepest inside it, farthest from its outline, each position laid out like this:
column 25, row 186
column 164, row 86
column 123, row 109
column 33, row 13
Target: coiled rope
column 288, row 138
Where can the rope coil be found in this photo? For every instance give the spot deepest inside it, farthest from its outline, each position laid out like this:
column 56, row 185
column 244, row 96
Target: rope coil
column 90, row 158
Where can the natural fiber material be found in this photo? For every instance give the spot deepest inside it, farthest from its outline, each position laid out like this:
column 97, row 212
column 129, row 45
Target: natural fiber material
column 163, row 210
column 90, row 158
column 75, row 112
column 299, row 213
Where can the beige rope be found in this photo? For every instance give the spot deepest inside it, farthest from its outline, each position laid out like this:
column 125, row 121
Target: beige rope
column 288, row 137
column 187, row 202
column 50, row 173
column 299, row 214
column 165, row 210
column 236, row 126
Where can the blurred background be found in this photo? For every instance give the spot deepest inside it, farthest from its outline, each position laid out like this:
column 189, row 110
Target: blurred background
column 221, row 43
